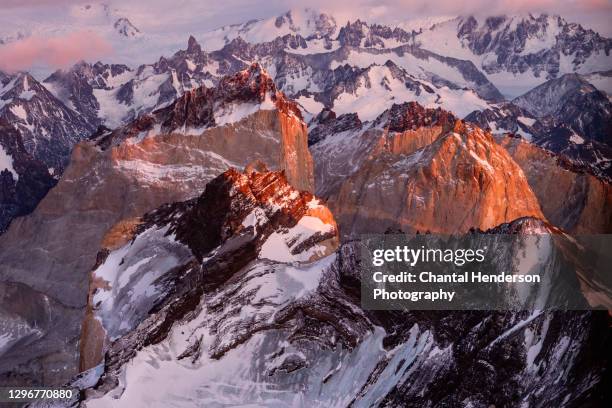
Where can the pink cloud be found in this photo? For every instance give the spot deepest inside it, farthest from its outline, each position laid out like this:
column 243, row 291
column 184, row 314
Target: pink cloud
column 54, row 52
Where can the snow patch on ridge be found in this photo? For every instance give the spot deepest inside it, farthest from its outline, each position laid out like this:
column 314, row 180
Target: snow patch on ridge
column 383, row 90
column 279, row 245
column 236, row 112
column 309, row 104
column 19, row 111
column 153, row 173
column 255, row 218
column 574, row 138
column 526, row 121
column 6, row 163
column 145, row 96
column 130, row 275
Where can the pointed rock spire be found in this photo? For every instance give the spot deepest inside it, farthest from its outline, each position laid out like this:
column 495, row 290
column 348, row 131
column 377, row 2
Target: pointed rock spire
column 193, row 46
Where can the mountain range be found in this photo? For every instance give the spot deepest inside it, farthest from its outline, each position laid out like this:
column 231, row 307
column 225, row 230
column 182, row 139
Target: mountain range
column 349, row 69
column 214, row 200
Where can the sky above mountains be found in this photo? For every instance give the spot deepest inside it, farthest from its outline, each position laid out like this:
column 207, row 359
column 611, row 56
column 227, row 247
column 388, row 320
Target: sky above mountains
column 57, row 33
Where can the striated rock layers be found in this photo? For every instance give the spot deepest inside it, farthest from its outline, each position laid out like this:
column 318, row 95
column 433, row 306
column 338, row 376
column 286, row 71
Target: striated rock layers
column 420, row 170
column 169, row 155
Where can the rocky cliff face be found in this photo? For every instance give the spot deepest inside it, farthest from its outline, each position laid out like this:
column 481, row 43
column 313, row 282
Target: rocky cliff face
column 420, row 169
column 168, row 156
column 569, row 196
column 29, row 321
column 233, row 100
column 507, row 118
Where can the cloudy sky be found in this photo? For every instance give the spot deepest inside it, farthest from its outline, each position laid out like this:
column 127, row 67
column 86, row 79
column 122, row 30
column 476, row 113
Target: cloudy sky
column 46, row 34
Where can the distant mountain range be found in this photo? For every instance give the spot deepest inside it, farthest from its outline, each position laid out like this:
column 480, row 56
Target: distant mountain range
column 463, row 65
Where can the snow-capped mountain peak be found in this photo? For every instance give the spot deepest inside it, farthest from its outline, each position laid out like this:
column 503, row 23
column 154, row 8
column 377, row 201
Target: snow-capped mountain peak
column 48, row 127
column 103, row 13
column 193, row 47
column 307, row 23
column 518, row 52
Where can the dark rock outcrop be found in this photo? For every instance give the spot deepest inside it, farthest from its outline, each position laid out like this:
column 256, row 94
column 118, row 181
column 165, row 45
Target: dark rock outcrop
column 21, row 192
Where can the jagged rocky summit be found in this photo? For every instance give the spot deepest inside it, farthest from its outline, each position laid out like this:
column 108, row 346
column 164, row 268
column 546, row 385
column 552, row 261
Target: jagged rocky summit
column 419, row 169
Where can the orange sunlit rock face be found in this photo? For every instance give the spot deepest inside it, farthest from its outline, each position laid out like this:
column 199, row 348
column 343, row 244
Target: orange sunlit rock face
column 420, row 169
column 463, row 180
